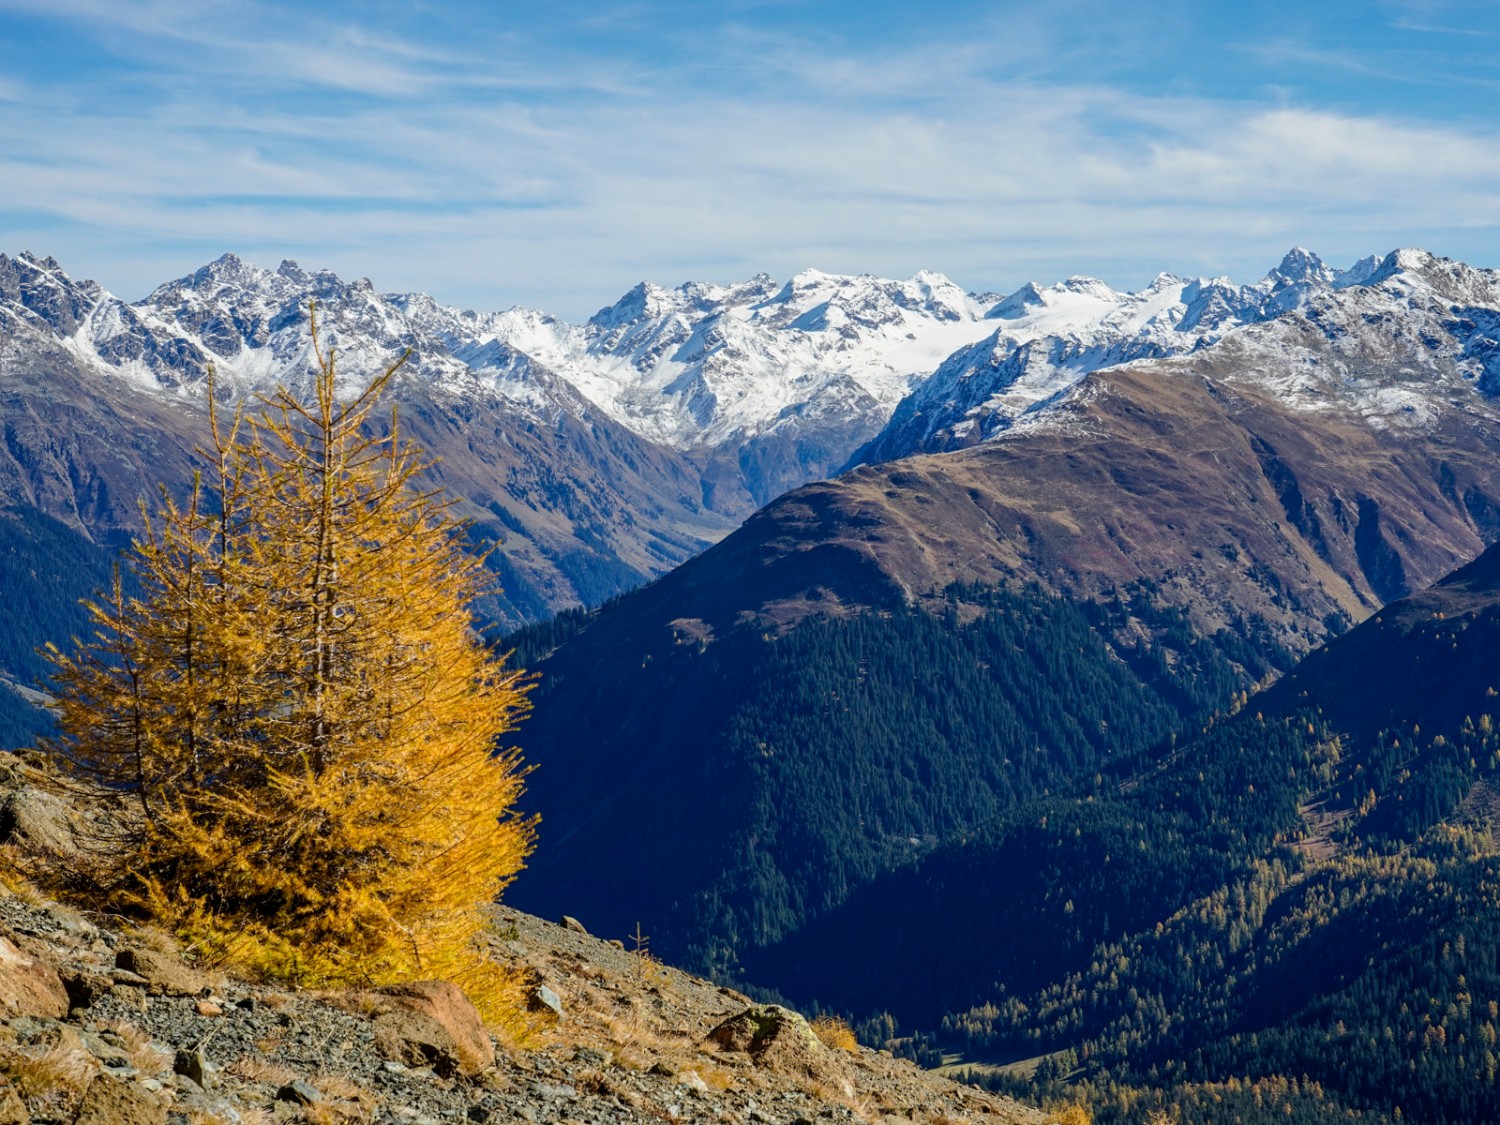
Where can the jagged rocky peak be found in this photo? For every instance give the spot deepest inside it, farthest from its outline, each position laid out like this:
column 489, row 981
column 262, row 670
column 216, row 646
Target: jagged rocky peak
column 37, row 289
column 1301, row 265
column 647, row 301
column 1447, row 280
column 1017, row 304
column 814, row 301
column 230, row 269
column 1046, row 339
column 1359, row 273
column 1087, row 287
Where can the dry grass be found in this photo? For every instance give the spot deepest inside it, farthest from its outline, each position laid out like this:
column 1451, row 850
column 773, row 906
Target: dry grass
column 47, row 1073
column 834, row 1033
column 634, row 1058
column 840, row 1091
column 714, row 1077
column 632, row 1031
column 145, row 1056
column 333, row 1113
column 365, row 1005
column 241, row 1117
column 339, row 1086
column 13, row 880
column 253, row 1069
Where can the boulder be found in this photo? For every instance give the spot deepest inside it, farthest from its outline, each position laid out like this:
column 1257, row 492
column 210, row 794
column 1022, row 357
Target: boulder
column 775, row 1038
column 84, row 986
column 545, row 998
column 109, row 1101
column 299, row 1093
column 163, row 974
column 432, row 1023
column 193, row 1064
column 39, row 822
column 29, row 986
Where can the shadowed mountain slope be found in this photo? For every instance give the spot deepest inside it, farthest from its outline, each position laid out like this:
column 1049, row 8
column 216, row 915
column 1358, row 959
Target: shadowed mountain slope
column 1207, row 519
column 1307, row 889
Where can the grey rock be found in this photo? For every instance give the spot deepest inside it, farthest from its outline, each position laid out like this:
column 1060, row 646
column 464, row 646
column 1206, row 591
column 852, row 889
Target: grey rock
column 544, row 997
column 299, row 1093
column 193, row 1065
column 571, row 923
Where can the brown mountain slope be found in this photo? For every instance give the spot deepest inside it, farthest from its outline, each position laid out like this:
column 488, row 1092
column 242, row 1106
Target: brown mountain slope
column 1272, row 490
column 1211, row 487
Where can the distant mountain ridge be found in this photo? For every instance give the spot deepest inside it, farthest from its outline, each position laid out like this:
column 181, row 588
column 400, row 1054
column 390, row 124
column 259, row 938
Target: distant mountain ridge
column 1212, row 515
column 602, row 453
column 1046, row 339
column 584, row 506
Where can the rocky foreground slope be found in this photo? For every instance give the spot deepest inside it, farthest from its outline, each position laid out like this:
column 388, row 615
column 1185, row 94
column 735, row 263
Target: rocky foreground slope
column 106, row 1023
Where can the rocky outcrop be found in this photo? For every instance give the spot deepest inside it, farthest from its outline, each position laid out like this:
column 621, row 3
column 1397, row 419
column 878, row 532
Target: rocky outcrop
column 108, row 1023
column 779, row 1039
column 432, row 1023
column 29, row 986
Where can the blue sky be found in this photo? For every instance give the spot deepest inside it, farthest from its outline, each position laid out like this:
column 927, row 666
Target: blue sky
column 553, row 154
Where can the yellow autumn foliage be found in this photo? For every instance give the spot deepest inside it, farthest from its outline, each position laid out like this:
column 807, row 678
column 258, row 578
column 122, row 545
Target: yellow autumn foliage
column 299, row 702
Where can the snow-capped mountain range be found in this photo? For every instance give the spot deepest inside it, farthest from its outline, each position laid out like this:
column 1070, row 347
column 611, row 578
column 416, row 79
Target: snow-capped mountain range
column 698, row 367
column 613, row 449
column 1043, row 340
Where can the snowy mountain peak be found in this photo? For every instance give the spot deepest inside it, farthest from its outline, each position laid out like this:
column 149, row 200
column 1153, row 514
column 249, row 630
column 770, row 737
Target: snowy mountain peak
column 1409, row 258
column 640, row 303
column 1359, row 273
column 1084, row 287
column 1301, row 265
column 818, row 363
column 1045, row 340
column 1425, row 276
column 1018, row 304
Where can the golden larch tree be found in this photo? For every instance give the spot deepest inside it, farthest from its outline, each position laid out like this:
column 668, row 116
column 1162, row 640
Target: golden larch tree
column 299, row 703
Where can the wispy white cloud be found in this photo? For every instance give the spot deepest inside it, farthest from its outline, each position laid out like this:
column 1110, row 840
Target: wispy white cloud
column 490, row 171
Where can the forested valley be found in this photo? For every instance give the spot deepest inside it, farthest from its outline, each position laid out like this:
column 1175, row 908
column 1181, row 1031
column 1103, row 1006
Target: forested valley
column 1292, row 915
column 849, row 746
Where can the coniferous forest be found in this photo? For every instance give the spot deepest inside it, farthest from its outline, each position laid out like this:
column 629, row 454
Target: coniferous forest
column 1291, row 915
column 844, row 748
